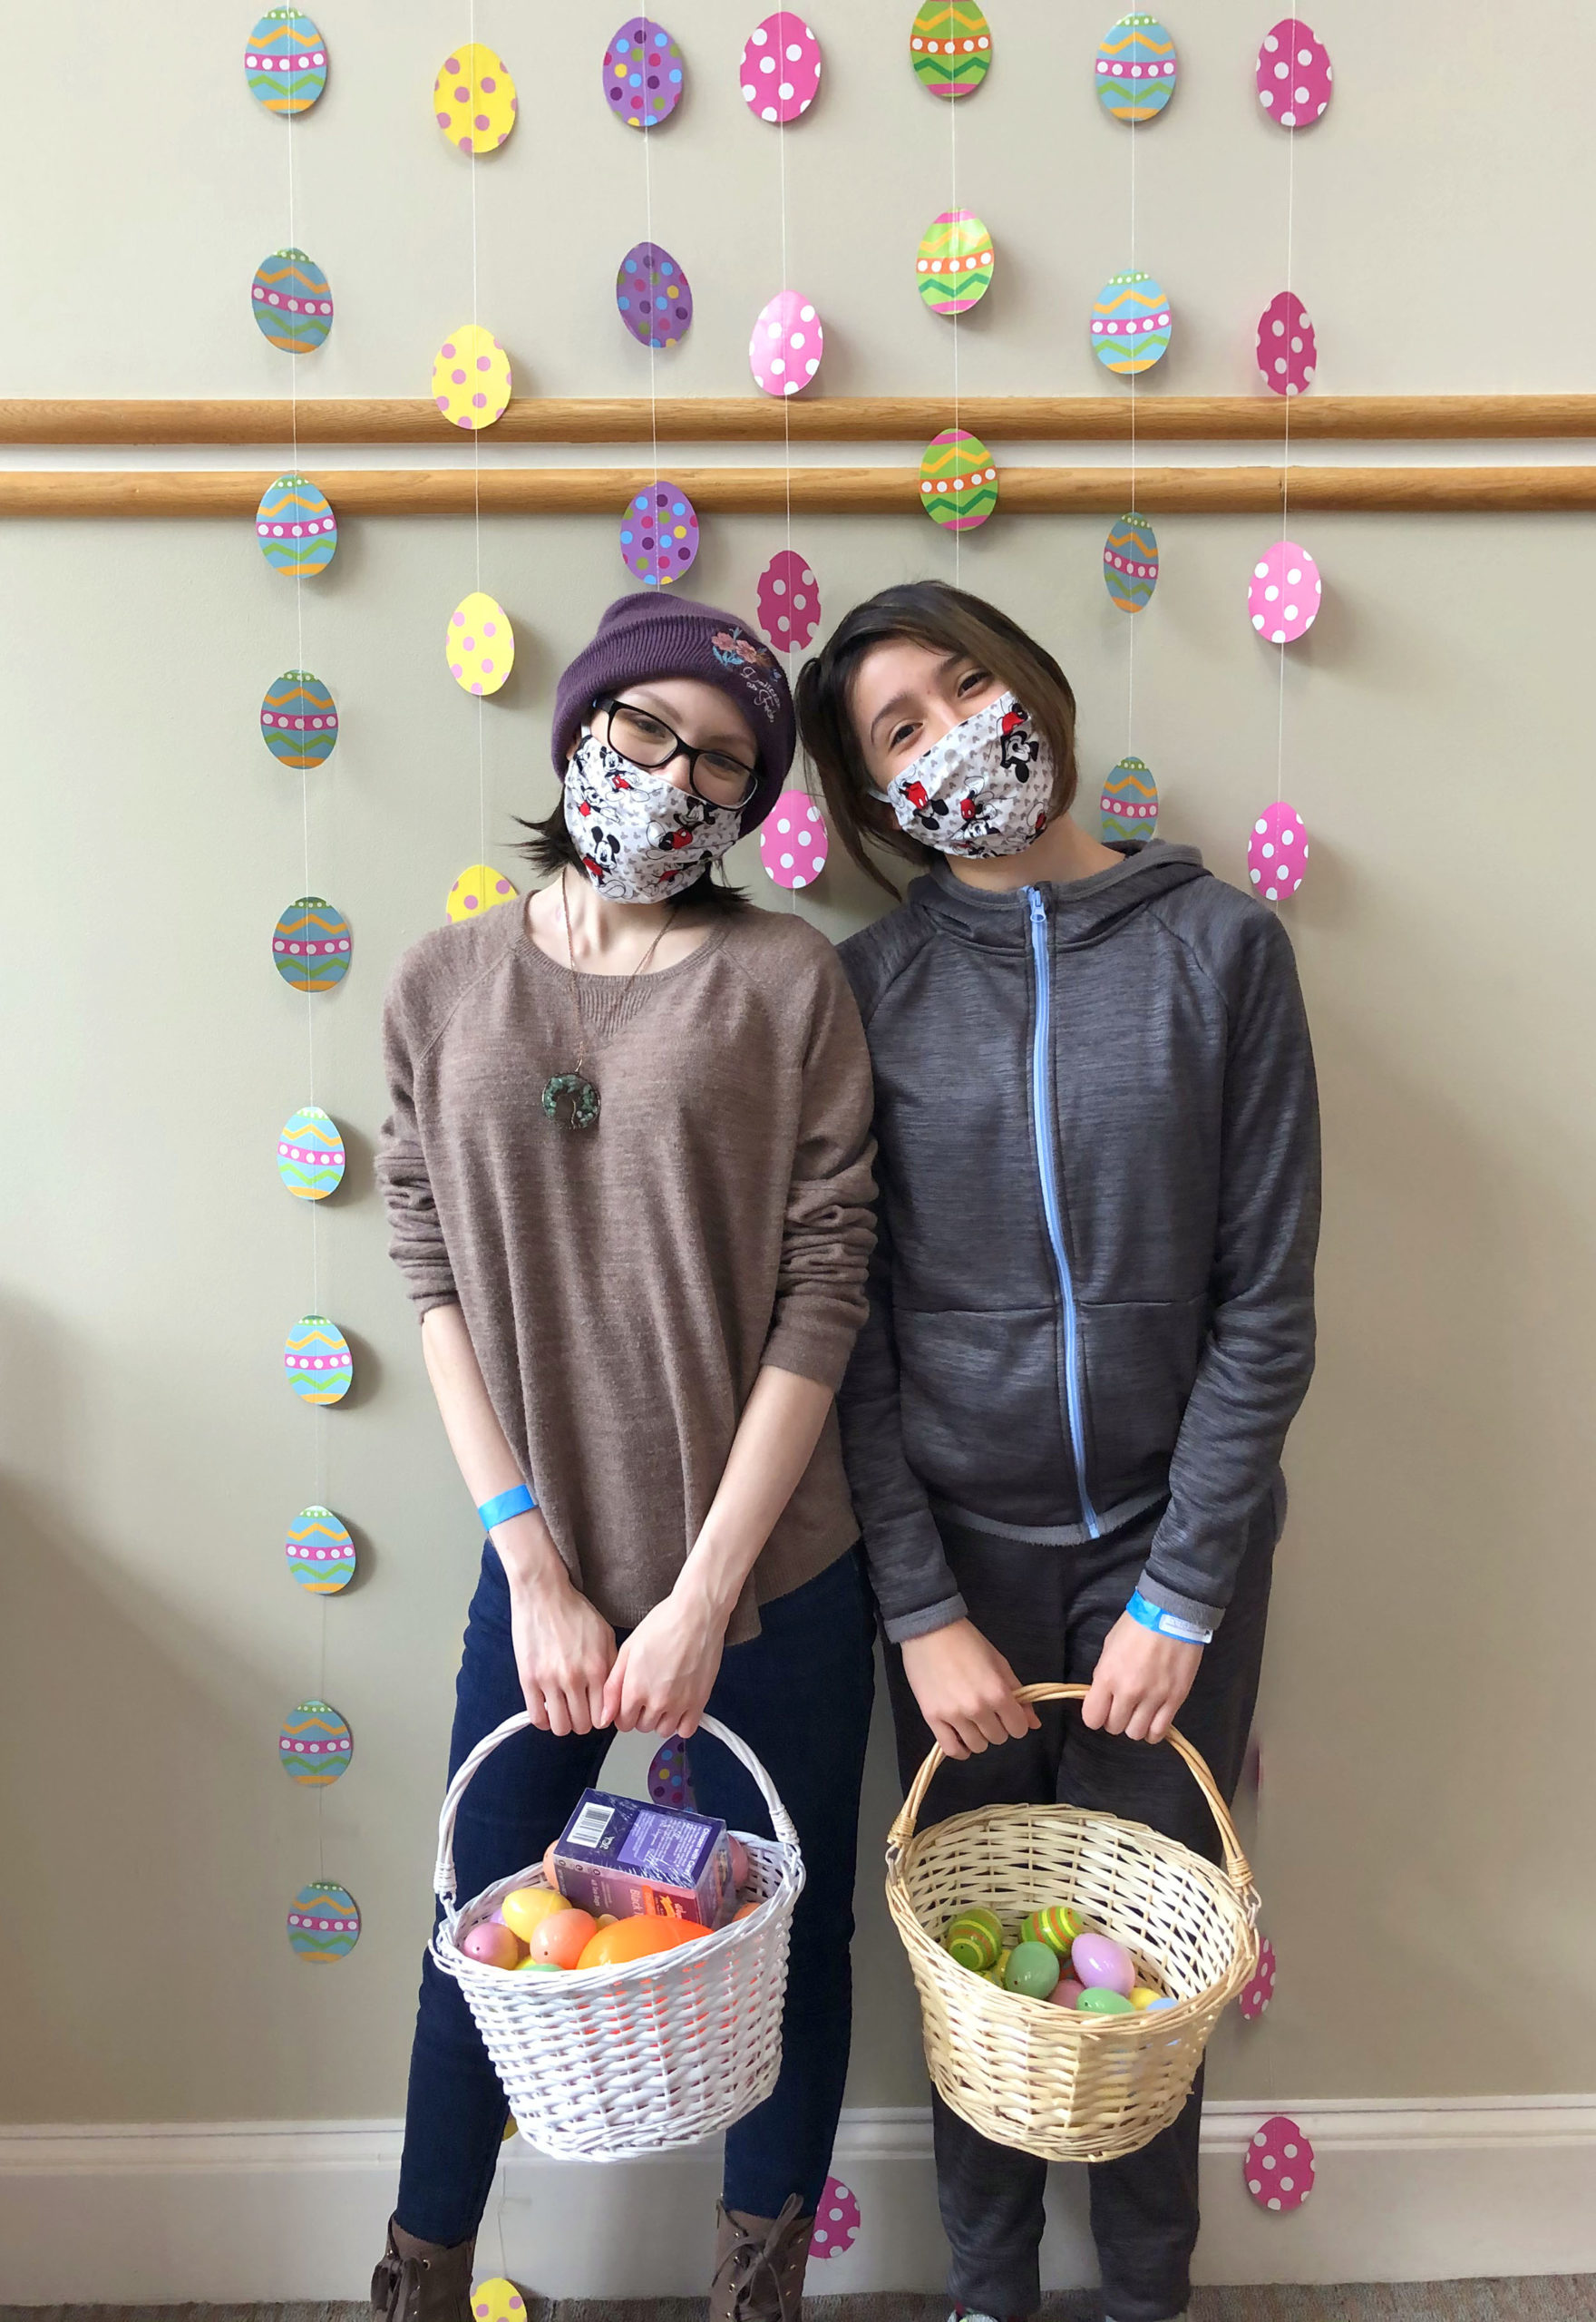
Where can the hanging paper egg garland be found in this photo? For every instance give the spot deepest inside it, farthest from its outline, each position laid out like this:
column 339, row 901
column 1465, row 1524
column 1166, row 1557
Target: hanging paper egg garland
column 299, row 721
column 470, row 377
column 1278, row 2164
column 478, row 890
column 1257, row 1995
column 793, row 841
column 1284, row 594
column 787, row 343
column 780, row 67
column 953, row 266
column 1129, row 803
column 957, row 480
column 320, row 1551
column 310, row 1154
column 787, row 602
column 1288, row 351
column 324, row 1924
column 1131, row 323
column 836, row 2221
column 660, row 535
column 1295, row 75
column 296, row 530
column 498, row 2299
column 316, row 1745
column 671, row 1783
column 292, row 302
column 312, row 945
column 1137, row 69
column 474, row 100
column 654, row 296
column 1129, row 562
column 950, row 48
column 285, row 61
column 643, row 75
column 1276, row 852
column 479, row 643
column 317, row 1361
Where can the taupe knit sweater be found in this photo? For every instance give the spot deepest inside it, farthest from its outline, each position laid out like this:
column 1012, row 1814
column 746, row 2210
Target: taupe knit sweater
column 623, row 1285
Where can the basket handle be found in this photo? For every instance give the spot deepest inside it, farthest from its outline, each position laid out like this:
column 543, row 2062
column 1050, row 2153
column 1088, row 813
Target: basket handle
column 1236, row 1868
column 444, row 1874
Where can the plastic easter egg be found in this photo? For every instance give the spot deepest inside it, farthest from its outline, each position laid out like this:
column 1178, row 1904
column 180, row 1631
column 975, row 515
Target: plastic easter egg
column 1295, row 75
column 1066, row 1991
column 1129, row 803
column 479, row 644
column 470, row 377
column 1157, row 2006
column 530, row 1966
column 1099, row 2000
column 316, row 1745
column 324, row 1923
column 974, row 1937
column 1288, row 350
column 1137, row 69
column 653, row 296
column 787, row 344
column 996, row 1973
column 1129, row 562
column 643, row 73
column 793, row 841
column 312, row 945
column 296, row 530
column 1283, row 596
column 950, row 48
column 561, row 1936
column 780, row 67
column 742, row 1867
column 285, row 61
column 1276, row 852
column 669, row 1782
column 497, row 2299
column 299, row 721
column 1142, row 1997
column 320, row 1552
column 957, row 480
column 836, row 2221
column 550, row 1876
column 954, row 266
column 317, row 1361
column 1131, row 323
column 638, row 1938
column 474, row 99
column 526, row 1908
column 1257, row 1995
column 660, row 535
column 292, row 302
column 1278, row 2164
column 1032, row 1970
column 1103, row 1964
column 310, row 1154
column 1056, row 1927
column 477, row 890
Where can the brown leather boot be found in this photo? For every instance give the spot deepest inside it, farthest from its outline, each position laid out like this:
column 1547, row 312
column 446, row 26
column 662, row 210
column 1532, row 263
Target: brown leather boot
column 421, row 2281
column 759, row 2264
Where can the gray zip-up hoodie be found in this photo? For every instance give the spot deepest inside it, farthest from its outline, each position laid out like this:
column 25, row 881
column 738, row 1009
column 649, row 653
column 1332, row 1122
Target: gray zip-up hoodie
column 1093, row 1288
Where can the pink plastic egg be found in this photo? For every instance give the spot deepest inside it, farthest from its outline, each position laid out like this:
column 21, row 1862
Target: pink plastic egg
column 1278, row 2164
column 1295, row 75
column 1257, row 1995
column 788, row 602
column 1283, row 595
column 836, row 2221
column 788, row 342
column 1288, row 351
column 792, row 843
column 493, row 1943
column 741, row 1866
column 1066, row 1991
column 780, row 67
column 1104, row 1964
column 1276, row 852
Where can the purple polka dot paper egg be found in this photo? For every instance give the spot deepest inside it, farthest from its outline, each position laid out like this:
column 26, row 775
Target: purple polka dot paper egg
column 1129, row 562
column 478, row 890
column 654, row 296
column 324, row 1923
column 1295, row 75
column 292, row 302
column 836, row 2221
column 1288, row 351
column 1276, row 852
column 474, row 101
column 1137, row 69
column 317, row 1361
column 320, row 1551
column 316, row 1745
column 670, row 1784
column 643, row 73
column 788, row 602
column 1129, row 803
column 1257, row 1995
column 312, row 945
column 285, row 61
column 1278, row 2164
column 299, row 721
column 660, row 535
column 793, row 841
column 310, row 1154
column 296, row 528
column 780, row 67
column 479, row 644
column 1284, row 593
column 788, row 342
column 1131, row 323
column 470, row 377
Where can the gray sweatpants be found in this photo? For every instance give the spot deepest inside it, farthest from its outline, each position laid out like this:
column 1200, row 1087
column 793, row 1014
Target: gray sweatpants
column 1048, row 1610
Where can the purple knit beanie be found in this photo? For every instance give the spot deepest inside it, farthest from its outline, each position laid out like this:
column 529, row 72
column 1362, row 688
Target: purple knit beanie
column 648, row 635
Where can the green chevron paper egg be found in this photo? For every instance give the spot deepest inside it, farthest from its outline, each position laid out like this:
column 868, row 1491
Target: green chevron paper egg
column 285, row 61
column 312, row 945
column 317, row 1361
column 292, row 302
column 1131, row 323
column 1129, row 562
column 299, row 721
column 310, row 1154
column 324, row 1923
column 1130, row 802
column 297, row 529
column 957, row 480
column 950, row 48
column 955, row 263
column 320, row 1551
column 316, row 1745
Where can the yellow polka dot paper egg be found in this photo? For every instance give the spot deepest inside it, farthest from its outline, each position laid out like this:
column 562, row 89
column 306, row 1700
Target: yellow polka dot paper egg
column 497, row 2300
column 478, row 890
column 480, row 643
column 470, row 377
column 474, row 99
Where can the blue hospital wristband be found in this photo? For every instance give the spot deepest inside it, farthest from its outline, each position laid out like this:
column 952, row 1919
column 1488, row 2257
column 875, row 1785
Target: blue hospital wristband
column 1154, row 1616
column 518, row 1501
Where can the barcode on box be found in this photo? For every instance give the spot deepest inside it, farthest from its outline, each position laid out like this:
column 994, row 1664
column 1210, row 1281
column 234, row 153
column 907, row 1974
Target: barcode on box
column 589, row 1826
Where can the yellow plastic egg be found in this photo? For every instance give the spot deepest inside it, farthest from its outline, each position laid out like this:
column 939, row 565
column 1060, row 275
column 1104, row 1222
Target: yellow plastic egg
column 529, row 1906
column 1143, row 1995
column 470, row 377
column 474, row 99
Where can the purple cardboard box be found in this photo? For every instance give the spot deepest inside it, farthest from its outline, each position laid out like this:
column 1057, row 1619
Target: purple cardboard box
column 617, row 1854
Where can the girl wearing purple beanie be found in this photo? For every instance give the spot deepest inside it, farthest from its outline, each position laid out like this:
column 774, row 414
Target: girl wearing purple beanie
column 628, row 1172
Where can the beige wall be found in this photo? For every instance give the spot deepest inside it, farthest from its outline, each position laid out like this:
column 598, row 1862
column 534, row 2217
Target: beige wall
column 1426, row 1768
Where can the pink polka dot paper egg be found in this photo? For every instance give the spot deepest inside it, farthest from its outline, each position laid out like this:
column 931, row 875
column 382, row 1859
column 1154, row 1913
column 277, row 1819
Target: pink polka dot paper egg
column 1276, row 852
column 788, row 602
column 1295, row 75
column 643, row 73
column 470, row 377
column 836, row 2221
column 1278, row 2164
column 660, row 535
column 1288, row 351
column 785, row 350
column 1283, row 596
column 780, row 67
column 1257, row 1995
column 793, row 841
column 498, row 2299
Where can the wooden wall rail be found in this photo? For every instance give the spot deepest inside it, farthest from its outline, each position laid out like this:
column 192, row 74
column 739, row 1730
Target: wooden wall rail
column 764, row 491
column 755, row 419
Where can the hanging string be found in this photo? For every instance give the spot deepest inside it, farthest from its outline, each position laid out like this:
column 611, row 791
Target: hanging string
column 476, row 485
column 953, row 205
column 654, row 316
column 1130, row 624
column 1286, row 449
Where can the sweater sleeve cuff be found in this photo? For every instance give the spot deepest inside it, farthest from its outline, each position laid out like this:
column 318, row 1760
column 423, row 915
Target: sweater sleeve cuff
column 426, row 1301
column 942, row 1615
column 1185, row 1609
column 811, row 1349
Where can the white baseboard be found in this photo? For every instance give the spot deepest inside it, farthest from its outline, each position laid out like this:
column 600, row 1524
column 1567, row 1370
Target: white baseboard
column 232, row 2211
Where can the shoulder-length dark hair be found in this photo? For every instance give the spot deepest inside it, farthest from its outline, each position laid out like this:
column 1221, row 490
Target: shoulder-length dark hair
column 947, row 620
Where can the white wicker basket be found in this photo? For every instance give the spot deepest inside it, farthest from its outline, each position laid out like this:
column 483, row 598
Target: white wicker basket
column 606, row 2063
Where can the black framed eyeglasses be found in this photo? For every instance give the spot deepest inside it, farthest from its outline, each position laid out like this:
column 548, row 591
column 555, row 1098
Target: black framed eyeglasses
column 646, row 741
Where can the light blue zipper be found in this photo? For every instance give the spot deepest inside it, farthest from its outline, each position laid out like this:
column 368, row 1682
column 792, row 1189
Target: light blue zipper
column 1042, row 1115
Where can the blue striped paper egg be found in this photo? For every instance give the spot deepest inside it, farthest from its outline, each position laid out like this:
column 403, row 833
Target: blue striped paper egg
column 296, row 530
column 292, row 302
column 317, row 1361
column 286, row 61
column 1137, row 69
column 320, row 1552
column 299, row 721
column 316, row 1745
column 1129, row 562
column 312, row 944
column 324, row 1923
column 1131, row 323
column 310, row 1154
column 1130, row 802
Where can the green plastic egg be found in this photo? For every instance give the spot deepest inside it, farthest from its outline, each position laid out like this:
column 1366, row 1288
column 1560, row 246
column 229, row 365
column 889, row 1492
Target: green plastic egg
column 1033, row 1969
column 1056, row 1927
column 1098, row 2002
column 973, row 1937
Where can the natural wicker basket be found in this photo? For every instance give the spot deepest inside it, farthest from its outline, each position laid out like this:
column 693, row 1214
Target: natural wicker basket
column 606, row 2063
column 1027, row 2073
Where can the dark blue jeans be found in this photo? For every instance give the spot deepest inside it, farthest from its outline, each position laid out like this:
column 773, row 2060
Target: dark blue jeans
column 800, row 1695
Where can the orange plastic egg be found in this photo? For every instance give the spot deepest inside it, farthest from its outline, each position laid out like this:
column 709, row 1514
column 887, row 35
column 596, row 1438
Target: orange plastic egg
column 550, row 1876
column 562, row 1937
column 529, row 1906
column 745, row 1912
column 612, row 1946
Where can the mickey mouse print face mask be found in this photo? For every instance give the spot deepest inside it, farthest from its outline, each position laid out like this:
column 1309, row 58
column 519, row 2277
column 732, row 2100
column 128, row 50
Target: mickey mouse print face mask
column 640, row 836
column 985, row 788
